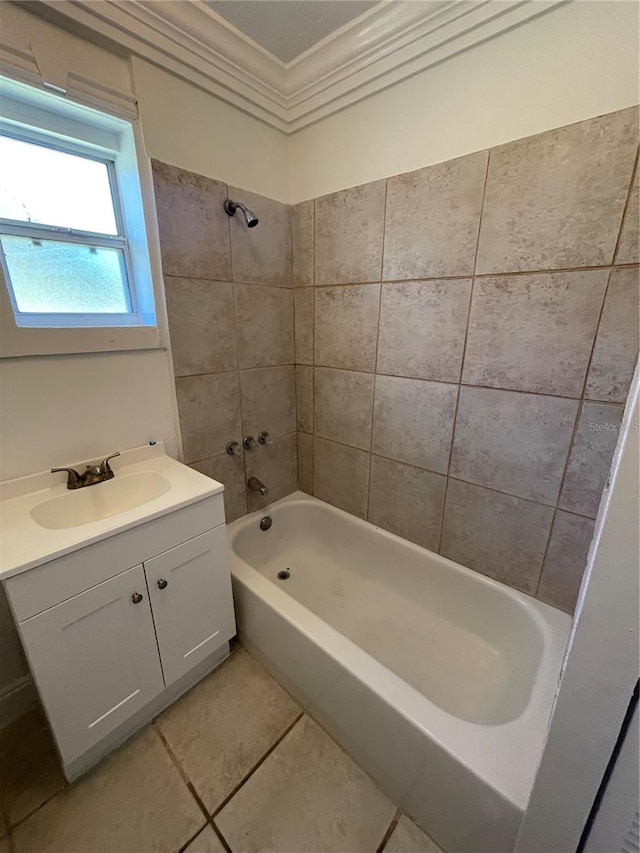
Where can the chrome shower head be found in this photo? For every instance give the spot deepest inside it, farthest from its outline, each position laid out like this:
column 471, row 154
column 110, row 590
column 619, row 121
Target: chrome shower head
column 250, row 218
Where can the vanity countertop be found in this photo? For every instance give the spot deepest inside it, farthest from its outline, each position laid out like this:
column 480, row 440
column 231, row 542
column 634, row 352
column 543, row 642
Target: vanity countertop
column 24, row 543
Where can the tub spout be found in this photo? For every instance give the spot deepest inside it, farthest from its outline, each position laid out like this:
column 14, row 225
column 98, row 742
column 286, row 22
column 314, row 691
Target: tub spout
column 256, row 486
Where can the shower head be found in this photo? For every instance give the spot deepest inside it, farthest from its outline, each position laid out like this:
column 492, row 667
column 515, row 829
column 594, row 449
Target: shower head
column 250, row 218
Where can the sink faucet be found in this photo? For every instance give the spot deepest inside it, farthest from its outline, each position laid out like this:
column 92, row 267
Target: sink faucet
column 256, row 486
column 90, row 476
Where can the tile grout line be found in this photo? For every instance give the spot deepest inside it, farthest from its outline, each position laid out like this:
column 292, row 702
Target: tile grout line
column 389, row 832
column 567, row 462
column 462, row 359
column 375, row 360
column 634, row 171
column 255, row 767
column 459, row 277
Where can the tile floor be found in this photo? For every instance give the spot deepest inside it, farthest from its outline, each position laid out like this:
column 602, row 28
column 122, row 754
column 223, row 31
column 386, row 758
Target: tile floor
column 235, row 765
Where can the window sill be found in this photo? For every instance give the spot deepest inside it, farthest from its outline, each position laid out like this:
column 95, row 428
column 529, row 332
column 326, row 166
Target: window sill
column 17, row 341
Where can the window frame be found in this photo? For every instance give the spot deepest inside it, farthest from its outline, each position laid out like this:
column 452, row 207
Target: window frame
column 40, row 118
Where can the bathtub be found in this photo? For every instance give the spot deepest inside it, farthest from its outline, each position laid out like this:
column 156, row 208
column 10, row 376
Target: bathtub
column 437, row 680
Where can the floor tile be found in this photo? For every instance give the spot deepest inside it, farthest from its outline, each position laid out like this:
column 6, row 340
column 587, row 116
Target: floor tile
column 134, row 801
column 29, row 766
column 222, row 727
column 407, row 838
column 307, row 796
column 206, row 842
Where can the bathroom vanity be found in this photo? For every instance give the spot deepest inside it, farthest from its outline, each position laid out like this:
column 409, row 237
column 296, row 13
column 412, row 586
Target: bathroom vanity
column 121, row 592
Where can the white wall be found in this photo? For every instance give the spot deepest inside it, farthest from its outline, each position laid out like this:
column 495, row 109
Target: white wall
column 187, row 127
column 572, row 63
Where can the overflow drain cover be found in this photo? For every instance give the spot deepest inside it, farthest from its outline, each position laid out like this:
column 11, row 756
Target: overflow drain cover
column 284, row 575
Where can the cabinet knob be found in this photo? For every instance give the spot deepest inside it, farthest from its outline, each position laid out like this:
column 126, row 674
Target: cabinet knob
column 136, row 597
column 162, row 583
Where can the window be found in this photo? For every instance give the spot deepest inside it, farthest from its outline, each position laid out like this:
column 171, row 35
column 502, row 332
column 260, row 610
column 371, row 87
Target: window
column 73, row 243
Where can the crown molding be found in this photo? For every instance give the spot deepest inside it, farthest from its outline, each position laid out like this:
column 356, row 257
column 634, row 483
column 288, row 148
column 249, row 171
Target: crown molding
column 388, row 43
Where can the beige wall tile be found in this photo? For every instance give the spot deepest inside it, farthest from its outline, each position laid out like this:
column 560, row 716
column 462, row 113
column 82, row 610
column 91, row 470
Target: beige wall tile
column 343, row 406
column 422, row 329
column 268, row 396
column 302, row 237
column 407, row 501
column 264, row 325
column 261, row 255
column 349, row 233
column 616, row 350
column 499, row 535
column 566, row 560
column 276, row 466
column 305, row 463
column 303, row 310
column 513, row 442
column 341, row 476
column 534, row 332
column 222, row 727
column 209, row 409
column 407, row 838
column 304, row 397
column 413, row 421
column 556, row 200
column 201, row 325
column 346, row 326
column 307, row 796
column 135, row 800
column 432, row 219
column 193, row 226
column 628, row 251
column 590, row 459
column 228, row 470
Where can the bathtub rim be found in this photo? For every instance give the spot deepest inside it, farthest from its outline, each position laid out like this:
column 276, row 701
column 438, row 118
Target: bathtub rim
column 474, row 745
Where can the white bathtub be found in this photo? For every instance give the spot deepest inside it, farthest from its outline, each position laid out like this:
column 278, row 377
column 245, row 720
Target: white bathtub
column 437, row 680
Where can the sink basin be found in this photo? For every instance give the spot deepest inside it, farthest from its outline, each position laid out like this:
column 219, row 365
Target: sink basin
column 102, row 500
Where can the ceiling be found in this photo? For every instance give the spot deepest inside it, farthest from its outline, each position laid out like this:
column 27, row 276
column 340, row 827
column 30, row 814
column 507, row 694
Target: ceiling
column 287, row 28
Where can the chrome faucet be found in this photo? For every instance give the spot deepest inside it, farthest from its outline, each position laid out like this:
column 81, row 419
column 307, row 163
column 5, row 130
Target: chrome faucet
column 256, row 486
column 90, row 476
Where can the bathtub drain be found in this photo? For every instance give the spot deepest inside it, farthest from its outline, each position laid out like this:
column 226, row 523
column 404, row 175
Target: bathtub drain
column 284, row 575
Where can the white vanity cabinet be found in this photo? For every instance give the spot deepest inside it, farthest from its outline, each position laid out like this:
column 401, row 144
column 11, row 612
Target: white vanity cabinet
column 116, row 630
column 95, row 659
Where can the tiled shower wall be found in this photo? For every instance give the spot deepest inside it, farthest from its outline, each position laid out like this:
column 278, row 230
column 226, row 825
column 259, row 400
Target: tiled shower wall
column 465, row 339
column 230, row 310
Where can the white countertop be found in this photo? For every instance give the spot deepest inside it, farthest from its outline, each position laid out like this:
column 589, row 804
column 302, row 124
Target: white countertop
column 25, row 544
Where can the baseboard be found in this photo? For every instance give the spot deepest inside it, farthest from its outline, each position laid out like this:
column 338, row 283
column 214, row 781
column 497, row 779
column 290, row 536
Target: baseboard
column 16, row 699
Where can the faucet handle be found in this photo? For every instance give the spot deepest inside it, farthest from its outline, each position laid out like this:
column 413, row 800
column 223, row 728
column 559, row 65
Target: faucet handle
column 73, row 480
column 249, row 442
column 265, row 438
column 105, row 468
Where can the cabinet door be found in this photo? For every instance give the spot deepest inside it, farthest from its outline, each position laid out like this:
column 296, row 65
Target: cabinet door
column 95, row 660
column 190, row 589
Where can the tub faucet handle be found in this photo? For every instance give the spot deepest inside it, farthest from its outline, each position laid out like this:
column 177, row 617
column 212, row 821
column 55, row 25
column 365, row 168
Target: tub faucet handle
column 265, row 438
column 249, row 442
column 233, row 448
